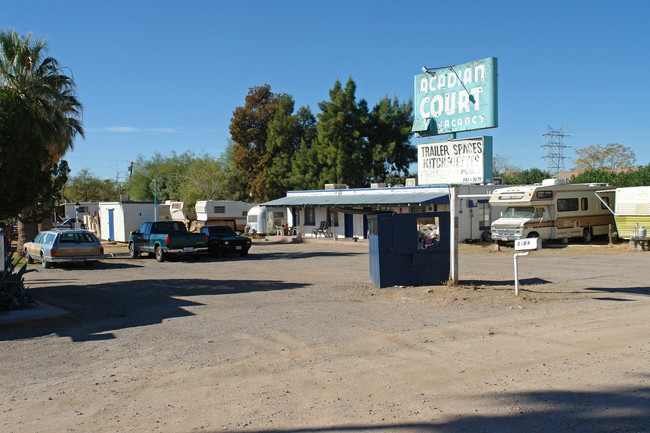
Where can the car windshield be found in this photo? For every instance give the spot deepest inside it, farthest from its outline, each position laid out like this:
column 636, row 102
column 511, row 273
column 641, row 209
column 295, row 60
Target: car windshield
column 518, row 212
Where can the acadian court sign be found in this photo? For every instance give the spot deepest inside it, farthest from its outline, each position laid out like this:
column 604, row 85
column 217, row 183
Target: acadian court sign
column 457, row 98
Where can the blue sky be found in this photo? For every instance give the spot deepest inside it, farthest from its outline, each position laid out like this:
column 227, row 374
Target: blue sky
column 163, row 76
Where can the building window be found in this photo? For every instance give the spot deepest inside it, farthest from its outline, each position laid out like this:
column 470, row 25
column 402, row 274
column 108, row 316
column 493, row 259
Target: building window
column 335, row 219
column 567, row 204
column 310, row 216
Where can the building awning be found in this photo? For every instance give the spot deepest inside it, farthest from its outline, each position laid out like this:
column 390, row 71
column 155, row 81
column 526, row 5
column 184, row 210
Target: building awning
column 365, row 200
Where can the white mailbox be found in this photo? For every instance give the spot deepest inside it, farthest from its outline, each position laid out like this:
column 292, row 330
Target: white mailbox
column 528, row 244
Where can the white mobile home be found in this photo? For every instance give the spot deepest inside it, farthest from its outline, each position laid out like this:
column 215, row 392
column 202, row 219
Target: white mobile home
column 119, row 219
column 342, row 212
column 632, row 210
column 213, row 211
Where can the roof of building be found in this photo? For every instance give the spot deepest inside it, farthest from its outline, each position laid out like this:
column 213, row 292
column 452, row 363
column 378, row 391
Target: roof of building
column 364, row 197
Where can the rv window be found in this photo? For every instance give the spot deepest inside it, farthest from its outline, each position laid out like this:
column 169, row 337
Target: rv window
column 567, row 204
column 310, row 216
column 518, row 212
column 539, row 212
column 544, row 194
column 219, row 209
column 606, row 200
column 584, row 203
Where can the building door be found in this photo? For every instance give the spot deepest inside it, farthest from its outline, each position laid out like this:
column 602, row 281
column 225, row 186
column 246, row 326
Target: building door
column 349, row 225
column 111, row 225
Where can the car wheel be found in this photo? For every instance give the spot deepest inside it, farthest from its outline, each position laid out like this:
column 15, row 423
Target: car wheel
column 218, row 253
column 45, row 263
column 243, row 253
column 160, row 254
column 28, row 258
column 133, row 253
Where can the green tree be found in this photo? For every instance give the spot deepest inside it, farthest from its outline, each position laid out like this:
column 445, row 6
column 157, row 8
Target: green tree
column 23, row 154
column 612, row 155
column 341, row 141
column 526, row 177
column 87, row 187
column 389, row 140
column 249, row 131
column 286, row 133
column 354, row 145
column 50, row 94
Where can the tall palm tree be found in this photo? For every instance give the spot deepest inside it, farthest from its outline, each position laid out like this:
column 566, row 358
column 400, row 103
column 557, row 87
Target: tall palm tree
column 48, row 90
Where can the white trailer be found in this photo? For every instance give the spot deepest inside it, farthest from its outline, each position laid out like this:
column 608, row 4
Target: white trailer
column 266, row 219
column 119, row 219
column 212, row 211
column 632, row 211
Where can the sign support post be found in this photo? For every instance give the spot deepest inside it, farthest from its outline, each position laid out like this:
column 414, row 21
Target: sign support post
column 453, row 235
column 527, row 245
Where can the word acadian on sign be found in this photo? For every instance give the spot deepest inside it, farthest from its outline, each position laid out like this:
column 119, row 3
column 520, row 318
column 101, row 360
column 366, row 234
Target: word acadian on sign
column 455, row 161
column 456, row 98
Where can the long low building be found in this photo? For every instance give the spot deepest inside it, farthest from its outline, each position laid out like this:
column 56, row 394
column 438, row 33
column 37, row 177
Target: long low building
column 342, row 212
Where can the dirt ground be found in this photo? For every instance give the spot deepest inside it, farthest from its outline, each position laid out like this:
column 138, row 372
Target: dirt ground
column 295, row 338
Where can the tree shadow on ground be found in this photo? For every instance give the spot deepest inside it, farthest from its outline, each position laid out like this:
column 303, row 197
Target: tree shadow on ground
column 98, row 308
column 282, row 256
column 620, row 410
column 511, row 283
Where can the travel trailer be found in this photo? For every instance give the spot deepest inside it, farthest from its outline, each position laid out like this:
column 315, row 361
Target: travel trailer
column 632, row 211
column 551, row 210
column 211, row 212
column 266, row 219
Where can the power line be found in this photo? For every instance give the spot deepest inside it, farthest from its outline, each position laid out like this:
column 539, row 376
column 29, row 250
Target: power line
column 555, row 150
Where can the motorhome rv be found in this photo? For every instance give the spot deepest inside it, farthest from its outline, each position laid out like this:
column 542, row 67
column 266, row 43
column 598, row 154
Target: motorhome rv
column 551, row 210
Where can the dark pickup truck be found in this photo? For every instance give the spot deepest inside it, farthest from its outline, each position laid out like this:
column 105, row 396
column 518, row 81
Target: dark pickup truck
column 223, row 240
column 166, row 237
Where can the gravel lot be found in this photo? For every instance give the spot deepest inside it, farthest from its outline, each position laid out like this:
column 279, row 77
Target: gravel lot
column 295, row 338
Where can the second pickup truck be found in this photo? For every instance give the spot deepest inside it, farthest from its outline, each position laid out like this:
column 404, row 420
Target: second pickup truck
column 164, row 238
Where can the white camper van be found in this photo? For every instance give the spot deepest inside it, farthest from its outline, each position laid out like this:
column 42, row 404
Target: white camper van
column 214, row 211
column 265, row 220
column 551, row 210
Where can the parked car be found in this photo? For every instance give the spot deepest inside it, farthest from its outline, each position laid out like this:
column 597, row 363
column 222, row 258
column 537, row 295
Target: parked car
column 164, row 238
column 224, row 240
column 57, row 246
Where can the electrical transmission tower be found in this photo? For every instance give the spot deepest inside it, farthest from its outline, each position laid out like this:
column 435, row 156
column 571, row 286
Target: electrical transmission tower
column 555, row 150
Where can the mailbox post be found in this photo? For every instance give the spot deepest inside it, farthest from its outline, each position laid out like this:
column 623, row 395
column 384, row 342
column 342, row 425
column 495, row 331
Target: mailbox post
column 527, row 245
